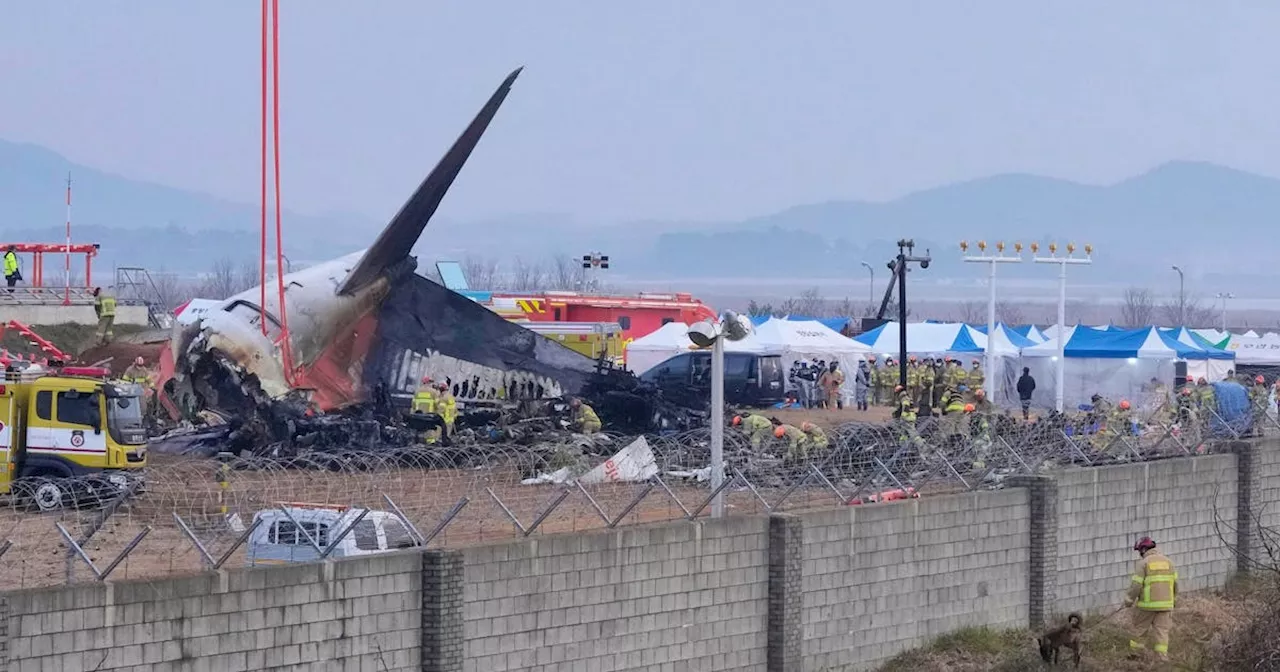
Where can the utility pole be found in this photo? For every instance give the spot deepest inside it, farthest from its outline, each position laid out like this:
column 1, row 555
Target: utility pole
column 906, row 255
column 991, row 260
column 1062, row 262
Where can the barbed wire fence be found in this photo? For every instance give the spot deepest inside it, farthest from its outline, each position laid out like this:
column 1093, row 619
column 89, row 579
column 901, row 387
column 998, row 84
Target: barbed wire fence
column 192, row 514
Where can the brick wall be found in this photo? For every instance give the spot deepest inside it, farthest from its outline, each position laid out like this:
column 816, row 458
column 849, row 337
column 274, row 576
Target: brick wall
column 639, row 598
column 840, row 589
column 1103, row 511
column 881, row 579
column 354, row 614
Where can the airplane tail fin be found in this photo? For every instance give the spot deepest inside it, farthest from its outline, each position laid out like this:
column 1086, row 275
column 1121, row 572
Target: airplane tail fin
column 400, row 235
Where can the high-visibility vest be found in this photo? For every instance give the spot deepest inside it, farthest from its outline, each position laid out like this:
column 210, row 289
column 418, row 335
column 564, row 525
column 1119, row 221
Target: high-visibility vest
column 10, row 263
column 449, row 410
column 1158, row 579
column 106, row 306
column 424, row 400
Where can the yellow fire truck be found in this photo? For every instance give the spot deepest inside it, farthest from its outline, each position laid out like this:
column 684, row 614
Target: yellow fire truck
column 68, row 432
column 593, row 339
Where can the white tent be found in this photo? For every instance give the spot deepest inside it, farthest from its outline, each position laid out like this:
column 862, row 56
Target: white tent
column 1256, row 350
column 670, row 340
column 801, row 340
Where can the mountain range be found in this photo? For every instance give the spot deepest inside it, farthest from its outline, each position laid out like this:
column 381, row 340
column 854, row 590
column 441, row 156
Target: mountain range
column 1210, row 220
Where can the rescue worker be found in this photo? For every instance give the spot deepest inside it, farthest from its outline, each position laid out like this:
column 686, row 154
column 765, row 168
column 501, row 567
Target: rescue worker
column 953, row 421
column 1153, row 591
column 905, row 415
column 1258, row 396
column 448, row 406
column 913, row 380
column 939, row 380
column 891, row 382
column 1206, row 404
column 956, row 376
column 104, row 305
column 797, row 442
column 585, row 419
column 873, row 379
column 1119, row 422
column 757, row 427
column 12, row 274
column 137, row 373
column 861, row 385
column 831, row 381
column 975, row 377
column 927, row 375
column 978, row 425
column 426, row 401
column 818, row 441
column 982, row 404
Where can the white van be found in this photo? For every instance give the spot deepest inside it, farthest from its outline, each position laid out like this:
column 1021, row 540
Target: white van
column 282, row 537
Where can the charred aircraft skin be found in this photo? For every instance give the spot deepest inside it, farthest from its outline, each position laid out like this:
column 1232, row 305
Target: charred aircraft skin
column 335, row 314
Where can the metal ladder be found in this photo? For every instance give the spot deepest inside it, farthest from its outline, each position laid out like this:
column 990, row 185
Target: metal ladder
column 135, row 285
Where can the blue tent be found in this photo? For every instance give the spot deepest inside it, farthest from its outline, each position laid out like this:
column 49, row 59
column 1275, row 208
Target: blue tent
column 1145, row 343
column 837, row 324
column 922, row 338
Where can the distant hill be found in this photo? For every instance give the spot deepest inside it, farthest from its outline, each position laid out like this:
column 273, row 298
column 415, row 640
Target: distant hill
column 1213, row 221
column 139, row 223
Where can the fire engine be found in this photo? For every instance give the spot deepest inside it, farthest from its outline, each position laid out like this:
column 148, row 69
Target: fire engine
column 68, row 431
column 637, row 316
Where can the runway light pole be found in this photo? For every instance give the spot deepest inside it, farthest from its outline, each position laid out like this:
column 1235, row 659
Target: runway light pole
column 1062, row 262
column 1182, row 298
column 871, row 288
column 991, row 260
column 1224, row 296
column 706, row 334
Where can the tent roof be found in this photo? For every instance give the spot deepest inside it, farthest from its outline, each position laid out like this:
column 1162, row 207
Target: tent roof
column 1144, row 343
column 810, row 336
column 923, row 338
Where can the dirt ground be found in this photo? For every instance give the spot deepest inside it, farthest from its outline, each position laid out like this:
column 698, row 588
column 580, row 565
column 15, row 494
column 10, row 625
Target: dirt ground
column 1200, row 622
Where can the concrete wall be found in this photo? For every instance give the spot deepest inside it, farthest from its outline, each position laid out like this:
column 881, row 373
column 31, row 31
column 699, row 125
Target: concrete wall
column 878, row 580
column 1102, row 511
column 841, row 589
column 642, row 598
column 351, row 615
column 74, row 314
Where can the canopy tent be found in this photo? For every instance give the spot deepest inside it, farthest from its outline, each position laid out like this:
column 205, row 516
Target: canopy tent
column 670, row 340
column 796, row 340
column 923, row 338
column 1250, row 334
column 1213, row 337
column 836, row 324
column 1255, row 350
column 1116, row 363
column 1031, row 332
column 1008, row 340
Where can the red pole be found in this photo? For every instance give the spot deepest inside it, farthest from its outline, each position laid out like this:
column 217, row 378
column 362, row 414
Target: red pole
column 66, row 299
column 286, row 354
column 262, row 257
column 88, row 270
column 37, row 261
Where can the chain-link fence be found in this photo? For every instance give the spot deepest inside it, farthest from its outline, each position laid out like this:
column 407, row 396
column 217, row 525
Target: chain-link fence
column 191, row 514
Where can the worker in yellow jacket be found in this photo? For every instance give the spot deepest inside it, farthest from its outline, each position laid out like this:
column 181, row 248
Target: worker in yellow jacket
column 756, row 427
column 104, row 305
column 585, row 419
column 448, row 406
column 1153, row 591
column 12, row 274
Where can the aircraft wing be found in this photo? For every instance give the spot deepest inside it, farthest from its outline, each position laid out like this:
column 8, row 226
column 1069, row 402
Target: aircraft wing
column 400, row 235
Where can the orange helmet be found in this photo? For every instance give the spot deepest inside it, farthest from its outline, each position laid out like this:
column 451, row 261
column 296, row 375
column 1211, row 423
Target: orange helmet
column 968, row 408
column 1124, row 404
column 946, row 359
column 1202, row 381
column 737, row 420
column 1186, row 391
column 779, row 431
column 1191, row 379
column 980, row 393
column 807, row 426
column 1259, row 380
column 426, row 380
column 897, row 388
column 911, row 358
column 871, row 358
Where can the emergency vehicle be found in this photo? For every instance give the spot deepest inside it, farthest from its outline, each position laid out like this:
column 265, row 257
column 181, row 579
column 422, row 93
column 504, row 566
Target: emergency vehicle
column 65, row 430
column 593, row 339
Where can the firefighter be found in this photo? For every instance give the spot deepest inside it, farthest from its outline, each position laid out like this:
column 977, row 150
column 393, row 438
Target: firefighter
column 585, row 419
column 905, row 414
column 104, row 305
column 12, row 274
column 913, row 380
column 138, row 373
column 956, row 376
column 975, row 377
column 1258, row 394
column 448, row 406
column 797, row 442
column 953, row 413
column 1206, row 404
column 981, row 404
column 873, row 379
column 978, row 424
column 817, row 437
column 757, row 427
column 888, row 381
column 424, row 398
column 1119, row 422
column 927, row 375
column 939, row 380
column 1152, row 591
column 831, row 381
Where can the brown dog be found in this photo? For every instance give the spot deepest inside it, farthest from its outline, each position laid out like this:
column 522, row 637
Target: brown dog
column 1066, row 636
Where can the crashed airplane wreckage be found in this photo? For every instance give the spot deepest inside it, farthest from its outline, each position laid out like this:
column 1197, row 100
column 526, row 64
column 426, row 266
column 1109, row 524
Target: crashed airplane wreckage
column 363, row 330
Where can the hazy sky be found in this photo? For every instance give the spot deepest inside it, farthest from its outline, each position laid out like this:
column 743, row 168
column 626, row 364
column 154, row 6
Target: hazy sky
column 661, row 108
